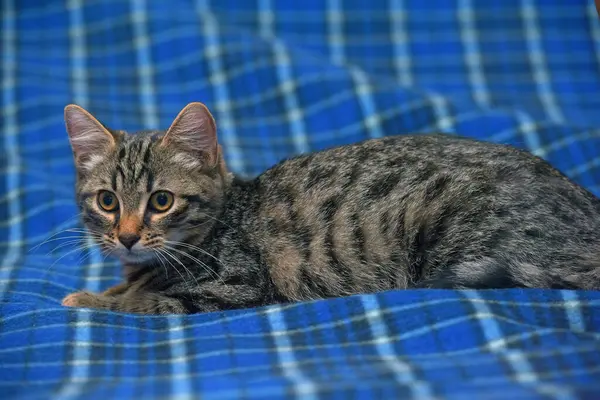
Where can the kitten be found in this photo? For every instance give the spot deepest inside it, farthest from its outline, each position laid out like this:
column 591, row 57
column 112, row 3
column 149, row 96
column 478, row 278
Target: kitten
column 422, row 211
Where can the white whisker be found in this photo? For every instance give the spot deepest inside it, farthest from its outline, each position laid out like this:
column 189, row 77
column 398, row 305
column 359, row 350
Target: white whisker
column 214, row 219
column 190, row 246
column 68, row 243
column 166, row 253
column 80, row 248
column 50, row 239
column 180, row 263
column 160, row 258
column 202, row 264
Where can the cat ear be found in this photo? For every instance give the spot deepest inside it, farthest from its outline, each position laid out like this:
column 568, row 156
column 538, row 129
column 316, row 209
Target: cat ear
column 194, row 132
column 90, row 140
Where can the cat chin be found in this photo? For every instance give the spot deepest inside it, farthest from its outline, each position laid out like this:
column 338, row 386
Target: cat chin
column 135, row 258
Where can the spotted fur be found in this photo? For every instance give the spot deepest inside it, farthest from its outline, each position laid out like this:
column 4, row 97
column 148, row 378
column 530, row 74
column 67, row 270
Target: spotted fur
column 413, row 211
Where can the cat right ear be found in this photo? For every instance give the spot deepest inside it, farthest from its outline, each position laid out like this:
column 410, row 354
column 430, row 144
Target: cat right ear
column 194, row 132
column 90, row 140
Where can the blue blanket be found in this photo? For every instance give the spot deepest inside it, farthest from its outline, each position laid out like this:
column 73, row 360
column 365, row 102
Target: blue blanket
column 283, row 79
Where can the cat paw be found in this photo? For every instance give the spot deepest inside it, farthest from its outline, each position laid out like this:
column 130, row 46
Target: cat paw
column 80, row 299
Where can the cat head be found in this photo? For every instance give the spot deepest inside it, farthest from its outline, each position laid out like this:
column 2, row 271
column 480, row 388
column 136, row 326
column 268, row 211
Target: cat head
column 140, row 194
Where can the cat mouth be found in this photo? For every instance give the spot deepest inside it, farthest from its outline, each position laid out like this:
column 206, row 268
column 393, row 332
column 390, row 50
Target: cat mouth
column 134, row 256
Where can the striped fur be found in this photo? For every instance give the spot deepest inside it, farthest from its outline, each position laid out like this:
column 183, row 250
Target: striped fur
column 399, row 212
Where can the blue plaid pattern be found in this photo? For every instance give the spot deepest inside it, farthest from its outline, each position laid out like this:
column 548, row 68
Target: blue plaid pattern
column 284, row 78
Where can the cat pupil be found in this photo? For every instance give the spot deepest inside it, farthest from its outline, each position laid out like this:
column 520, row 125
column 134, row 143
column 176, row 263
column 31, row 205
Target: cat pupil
column 108, row 199
column 161, row 200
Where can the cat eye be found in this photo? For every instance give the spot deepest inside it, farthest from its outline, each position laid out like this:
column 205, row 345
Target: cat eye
column 108, row 201
column 161, row 201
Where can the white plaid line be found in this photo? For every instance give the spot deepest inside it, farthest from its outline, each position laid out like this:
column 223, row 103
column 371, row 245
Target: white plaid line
column 9, row 128
column 265, row 18
column 529, row 130
column 538, row 62
column 444, row 121
column 294, row 112
column 80, row 371
column 302, row 386
column 400, row 42
column 365, row 97
column 227, row 133
column 468, row 35
column 41, row 282
column 403, row 372
column 591, row 135
column 33, row 212
column 77, row 52
column 496, row 343
column 287, row 86
column 284, row 74
column 42, row 272
column 80, row 90
column 422, row 359
column 573, row 310
column 502, row 342
column 180, row 365
column 29, row 295
column 144, row 61
column 582, row 169
column 351, row 319
column 335, row 23
column 82, row 333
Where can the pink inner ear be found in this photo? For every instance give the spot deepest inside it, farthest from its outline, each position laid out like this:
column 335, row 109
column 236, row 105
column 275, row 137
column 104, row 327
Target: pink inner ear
column 87, row 136
column 194, row 130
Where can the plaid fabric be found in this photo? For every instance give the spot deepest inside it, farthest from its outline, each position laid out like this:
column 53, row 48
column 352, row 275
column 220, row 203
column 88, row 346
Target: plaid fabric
column 284, row 79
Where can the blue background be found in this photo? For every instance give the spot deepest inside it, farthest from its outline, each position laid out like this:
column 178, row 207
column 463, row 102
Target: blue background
column 284, row 78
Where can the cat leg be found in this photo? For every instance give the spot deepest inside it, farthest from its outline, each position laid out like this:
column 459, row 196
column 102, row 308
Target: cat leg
column 117, row 289
column 211, row 296
column 137, row 303
column 484, row 273
column 111, row 291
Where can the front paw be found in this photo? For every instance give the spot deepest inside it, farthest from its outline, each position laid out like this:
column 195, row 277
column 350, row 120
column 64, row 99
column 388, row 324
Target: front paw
column 82, row 300
column 116, row 290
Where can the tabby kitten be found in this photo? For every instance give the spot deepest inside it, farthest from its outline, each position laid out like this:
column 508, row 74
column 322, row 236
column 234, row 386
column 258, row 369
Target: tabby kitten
column 423, row 211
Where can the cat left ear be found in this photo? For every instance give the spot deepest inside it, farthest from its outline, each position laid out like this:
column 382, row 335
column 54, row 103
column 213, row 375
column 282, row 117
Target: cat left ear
column 194, row 131
column 90, row 140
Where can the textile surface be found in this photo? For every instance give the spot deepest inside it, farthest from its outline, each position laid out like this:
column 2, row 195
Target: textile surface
column 284, row 78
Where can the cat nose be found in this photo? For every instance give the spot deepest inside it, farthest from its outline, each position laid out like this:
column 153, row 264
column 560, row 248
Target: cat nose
column 129, row 239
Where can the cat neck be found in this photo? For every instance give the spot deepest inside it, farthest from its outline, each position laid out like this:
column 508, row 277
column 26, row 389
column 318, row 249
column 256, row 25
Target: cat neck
column 227, row 225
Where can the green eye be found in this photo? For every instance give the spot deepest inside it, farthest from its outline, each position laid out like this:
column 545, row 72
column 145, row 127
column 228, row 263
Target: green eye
column 108, row 201
column 161, row 201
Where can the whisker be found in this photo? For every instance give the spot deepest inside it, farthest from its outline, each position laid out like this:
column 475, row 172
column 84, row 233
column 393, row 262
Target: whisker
column 160, row 257
column 68, row 243
column 50, row 239
column 187, row 270
column 197, row 225
column 165, row 252
column 202, row 264
column 59, row 232
column 77, row 239
column 80, row 248
column 184, row 267
column 215, row 219
column 84, row 235
column 85, row 256
column 190, row 246
column 106, row 254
